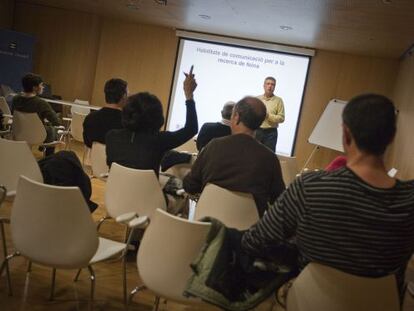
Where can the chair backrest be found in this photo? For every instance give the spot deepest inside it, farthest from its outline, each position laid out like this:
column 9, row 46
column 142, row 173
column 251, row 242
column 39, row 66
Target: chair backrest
column 98, row 159
column 4, row 107
column 169, row 245
column 234, row 209
column 76, row 126
column 289, row 166
column 52, row 225
column 78, row 109
column 131, row 190
column 28, row 127
column 320, row 287
column 17, row 159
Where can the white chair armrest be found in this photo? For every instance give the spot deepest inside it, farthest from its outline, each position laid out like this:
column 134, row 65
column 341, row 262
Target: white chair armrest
column 125, row 218
column 66, row 119
column 139, row 222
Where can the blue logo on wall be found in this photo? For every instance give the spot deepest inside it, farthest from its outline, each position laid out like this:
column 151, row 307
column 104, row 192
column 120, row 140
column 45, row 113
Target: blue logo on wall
column 16, row 57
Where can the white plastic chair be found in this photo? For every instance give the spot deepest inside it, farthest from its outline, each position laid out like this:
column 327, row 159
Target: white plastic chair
column 132, row 194
column 234, row 209
column 131, row 197
column 98, row 160
column 76, row 127
column 290, row 169
column 28, row 127
column 52, row 226
column 4, row 107
column 320, row 287
column 80, row 110
column 16, row 159
column 169, row 245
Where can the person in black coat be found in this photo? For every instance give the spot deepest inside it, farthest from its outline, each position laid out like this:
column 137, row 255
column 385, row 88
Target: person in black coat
column 213, row 130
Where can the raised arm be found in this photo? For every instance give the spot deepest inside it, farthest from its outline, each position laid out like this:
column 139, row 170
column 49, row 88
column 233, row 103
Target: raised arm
column 177, row 138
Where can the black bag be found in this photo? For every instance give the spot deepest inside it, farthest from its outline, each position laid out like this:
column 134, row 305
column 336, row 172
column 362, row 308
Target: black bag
column 64, row 169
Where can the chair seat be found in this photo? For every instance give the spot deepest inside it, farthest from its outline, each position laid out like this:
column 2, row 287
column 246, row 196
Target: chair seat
column 107, row 249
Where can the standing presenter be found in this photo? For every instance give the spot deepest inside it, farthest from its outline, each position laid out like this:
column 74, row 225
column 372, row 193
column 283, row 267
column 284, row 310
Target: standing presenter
column 267, row 133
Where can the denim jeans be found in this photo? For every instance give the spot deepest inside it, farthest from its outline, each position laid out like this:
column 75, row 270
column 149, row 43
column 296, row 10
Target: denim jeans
column 267, row 137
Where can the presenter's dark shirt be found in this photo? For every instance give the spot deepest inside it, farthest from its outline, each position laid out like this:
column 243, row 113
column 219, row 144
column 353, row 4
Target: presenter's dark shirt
column 98, row 123
column 210, row 131
column 143, row 150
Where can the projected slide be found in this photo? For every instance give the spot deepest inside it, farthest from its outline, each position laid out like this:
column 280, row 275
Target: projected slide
column 226, row 73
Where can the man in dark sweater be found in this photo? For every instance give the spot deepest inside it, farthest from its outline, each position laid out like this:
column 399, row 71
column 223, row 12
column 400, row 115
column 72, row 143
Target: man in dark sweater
column 100, row 122
column 238, row 162
column 29, row 101
column 212, row 130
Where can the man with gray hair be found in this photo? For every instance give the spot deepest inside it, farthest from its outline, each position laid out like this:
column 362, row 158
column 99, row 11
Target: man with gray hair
column 238, row 162
column 212, row 130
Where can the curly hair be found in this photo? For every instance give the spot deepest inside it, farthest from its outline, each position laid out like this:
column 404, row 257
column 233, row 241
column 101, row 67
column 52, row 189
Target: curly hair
column 143, row 113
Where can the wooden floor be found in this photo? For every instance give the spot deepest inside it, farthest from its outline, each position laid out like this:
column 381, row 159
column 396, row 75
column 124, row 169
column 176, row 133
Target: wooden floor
column 31, row 291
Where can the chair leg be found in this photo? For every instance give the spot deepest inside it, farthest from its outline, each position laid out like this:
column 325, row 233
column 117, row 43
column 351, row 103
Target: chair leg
column 5, row 265
column 156, row 303
column 127, row 234
column 101, row 221
column 3, row 237
column 52, row 290
column 133, row 292
column 77, row 275
column 124, row 280
column 92, row 277
column 29, row 267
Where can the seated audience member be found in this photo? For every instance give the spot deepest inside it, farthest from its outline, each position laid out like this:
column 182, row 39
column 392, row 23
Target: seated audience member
column 29, row 101
column 357, row 218
column 239, row 162
column 214, row 130
column 140, row 144
column 98, row 123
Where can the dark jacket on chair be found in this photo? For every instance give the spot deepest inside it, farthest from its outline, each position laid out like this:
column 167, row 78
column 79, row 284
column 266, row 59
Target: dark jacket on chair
column 64, row 169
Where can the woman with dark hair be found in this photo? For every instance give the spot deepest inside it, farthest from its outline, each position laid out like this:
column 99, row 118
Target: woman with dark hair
column 140, row 144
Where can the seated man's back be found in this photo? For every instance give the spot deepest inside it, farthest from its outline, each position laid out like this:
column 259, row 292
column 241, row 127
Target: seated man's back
column 213, row 130
column 98, row 123
column 238, row 162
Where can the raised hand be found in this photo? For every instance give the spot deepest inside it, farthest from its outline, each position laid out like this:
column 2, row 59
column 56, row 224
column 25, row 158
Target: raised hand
column 190, row 84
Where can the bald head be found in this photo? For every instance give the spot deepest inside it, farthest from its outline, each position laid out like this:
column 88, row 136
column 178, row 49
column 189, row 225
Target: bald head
column 251, row 111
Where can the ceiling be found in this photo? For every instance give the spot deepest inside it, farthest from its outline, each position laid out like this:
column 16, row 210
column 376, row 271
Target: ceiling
column 368, row 27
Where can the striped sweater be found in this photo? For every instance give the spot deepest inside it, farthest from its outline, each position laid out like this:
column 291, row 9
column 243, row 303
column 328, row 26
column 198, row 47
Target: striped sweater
column 339, row 220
